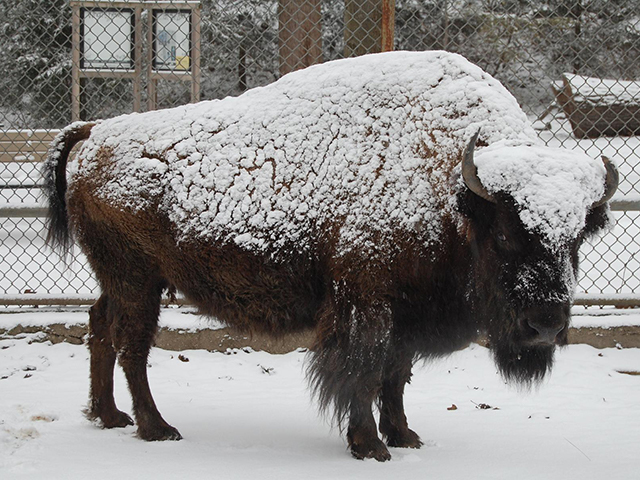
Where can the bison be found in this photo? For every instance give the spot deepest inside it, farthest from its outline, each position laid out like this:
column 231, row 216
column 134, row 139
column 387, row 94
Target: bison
column 399, row 204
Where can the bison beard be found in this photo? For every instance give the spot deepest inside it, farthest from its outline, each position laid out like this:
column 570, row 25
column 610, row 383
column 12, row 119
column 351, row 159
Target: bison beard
column 379, row 298
column 523, row 366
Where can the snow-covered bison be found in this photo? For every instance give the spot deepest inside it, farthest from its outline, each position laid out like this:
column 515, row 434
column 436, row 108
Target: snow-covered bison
column 345, row 198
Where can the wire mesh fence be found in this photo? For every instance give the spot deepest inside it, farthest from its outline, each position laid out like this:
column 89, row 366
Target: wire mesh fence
column 572, row 65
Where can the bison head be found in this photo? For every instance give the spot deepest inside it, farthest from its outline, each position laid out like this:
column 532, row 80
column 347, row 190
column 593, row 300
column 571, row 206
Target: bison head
column 523, row 277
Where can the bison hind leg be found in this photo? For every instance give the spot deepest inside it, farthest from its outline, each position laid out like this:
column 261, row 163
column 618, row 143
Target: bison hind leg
column 102, row 406
column 134, row 331
column 127, row 314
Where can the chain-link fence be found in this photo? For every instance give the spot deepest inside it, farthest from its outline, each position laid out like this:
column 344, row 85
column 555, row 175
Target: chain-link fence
column 572, row 65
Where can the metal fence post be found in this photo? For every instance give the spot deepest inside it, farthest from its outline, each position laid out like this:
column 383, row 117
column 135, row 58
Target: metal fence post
column 388, row 24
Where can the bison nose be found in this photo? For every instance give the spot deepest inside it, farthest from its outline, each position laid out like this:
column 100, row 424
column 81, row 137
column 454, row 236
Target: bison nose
column 542, row 325
column 545, row 333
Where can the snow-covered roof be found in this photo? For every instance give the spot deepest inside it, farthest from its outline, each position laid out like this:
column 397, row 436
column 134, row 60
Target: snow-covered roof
column 603, row 91
column 367, row 144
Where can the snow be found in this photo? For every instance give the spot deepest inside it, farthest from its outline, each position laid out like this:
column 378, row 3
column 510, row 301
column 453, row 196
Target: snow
column 368, row 143
column 38, row 319
column 249, row 415
column 603, row 91
column 23, row 205
column 604, row 318
column 553, row 187
column 183, row 319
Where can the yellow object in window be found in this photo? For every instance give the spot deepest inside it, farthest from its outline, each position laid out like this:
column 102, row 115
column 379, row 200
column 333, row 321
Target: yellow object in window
column 182, row 62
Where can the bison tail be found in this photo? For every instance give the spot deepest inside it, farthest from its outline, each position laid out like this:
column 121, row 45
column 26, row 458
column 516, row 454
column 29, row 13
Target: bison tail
column 55, row 183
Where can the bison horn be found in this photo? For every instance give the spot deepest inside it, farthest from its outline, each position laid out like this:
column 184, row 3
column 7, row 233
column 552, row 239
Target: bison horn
column 470, row 172
column 611, row 183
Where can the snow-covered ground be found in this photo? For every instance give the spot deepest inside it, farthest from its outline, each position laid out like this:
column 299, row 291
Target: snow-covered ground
column 249, row 415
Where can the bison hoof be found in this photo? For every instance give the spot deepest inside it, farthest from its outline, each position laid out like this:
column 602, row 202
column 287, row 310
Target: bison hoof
column 406, row 439
column 373, row 448
column 118, row 420
column 111, row 419
column 160, row 433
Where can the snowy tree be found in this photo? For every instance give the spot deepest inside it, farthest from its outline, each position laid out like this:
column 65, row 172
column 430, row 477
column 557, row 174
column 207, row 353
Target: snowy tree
column 35, row 58
column 239, row 45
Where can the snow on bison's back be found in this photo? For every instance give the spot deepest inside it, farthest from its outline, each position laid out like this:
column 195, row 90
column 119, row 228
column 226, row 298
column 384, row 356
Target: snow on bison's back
column 346, row 197
column 354, row 139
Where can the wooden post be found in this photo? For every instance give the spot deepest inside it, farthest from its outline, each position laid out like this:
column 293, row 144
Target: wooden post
column 195, row 54
column 388, row 24
column 137, row 61
column 152, row 83
column 362, row 21
column 75, row 63
column 299, row 34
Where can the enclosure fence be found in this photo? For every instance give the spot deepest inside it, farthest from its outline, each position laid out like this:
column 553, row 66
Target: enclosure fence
column 572, row 64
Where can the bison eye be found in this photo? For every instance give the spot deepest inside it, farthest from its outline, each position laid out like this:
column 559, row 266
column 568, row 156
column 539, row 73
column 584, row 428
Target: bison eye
column 502, row 239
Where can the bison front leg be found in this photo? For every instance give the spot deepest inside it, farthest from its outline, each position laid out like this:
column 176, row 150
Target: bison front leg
column 393, row 421
column 134, row 332
column 347, row 368
column 361, row 434
column 102, row 405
